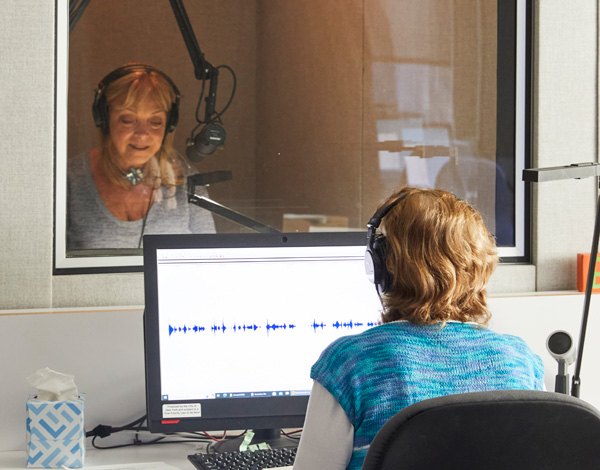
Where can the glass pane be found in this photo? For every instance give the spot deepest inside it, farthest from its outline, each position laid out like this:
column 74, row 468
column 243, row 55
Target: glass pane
column 334, row 105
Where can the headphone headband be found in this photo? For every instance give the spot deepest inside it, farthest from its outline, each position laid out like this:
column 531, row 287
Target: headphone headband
column 376, row 219
column 100, row 106
column 133, row 68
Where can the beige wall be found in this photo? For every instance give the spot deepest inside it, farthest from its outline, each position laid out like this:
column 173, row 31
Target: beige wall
column 26, row 149
column 565, row 131
column 565, row 121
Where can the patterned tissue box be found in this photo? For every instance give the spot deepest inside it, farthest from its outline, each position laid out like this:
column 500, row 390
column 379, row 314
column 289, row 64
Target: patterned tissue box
column 55, row 433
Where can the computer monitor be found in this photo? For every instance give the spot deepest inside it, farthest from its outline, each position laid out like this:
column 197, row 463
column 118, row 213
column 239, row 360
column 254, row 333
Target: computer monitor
column 234, row 322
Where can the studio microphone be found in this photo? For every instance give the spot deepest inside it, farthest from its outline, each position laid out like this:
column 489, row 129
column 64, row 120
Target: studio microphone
column 205, row 143
column 561, row 347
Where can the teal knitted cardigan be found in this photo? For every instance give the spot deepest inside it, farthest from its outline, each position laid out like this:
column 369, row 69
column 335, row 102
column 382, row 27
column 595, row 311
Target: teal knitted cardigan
column 375, row 374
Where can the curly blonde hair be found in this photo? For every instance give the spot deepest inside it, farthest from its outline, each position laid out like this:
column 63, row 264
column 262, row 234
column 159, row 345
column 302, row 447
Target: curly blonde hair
column 441, row 257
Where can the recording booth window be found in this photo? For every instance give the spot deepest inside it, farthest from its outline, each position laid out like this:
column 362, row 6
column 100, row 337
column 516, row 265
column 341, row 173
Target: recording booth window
column 305, row 117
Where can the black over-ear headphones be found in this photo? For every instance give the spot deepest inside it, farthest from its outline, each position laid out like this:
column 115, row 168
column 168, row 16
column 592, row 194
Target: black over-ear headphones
column 377, row 247
column 100, row 106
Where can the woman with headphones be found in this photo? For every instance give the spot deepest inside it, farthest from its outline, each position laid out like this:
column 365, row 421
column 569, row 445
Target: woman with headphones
column 430, row 257
column 134, row 182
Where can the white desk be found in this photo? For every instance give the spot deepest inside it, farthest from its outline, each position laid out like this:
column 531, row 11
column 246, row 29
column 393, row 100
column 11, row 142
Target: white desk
column 171, row 454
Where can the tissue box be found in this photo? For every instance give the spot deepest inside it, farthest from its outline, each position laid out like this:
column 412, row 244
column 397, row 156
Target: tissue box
column 55, row 433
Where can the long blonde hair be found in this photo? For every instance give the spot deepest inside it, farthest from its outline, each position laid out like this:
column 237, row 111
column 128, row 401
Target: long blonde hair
column 164, row 168
column 441, row 256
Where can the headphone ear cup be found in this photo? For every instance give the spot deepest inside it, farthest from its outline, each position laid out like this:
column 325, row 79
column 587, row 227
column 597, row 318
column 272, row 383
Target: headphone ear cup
column 173, row 117
column 377, row 247
column 382, row 278
column 100, row 111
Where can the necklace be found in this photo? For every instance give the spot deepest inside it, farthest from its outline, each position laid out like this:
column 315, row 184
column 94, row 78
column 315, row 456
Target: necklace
column 135, row 175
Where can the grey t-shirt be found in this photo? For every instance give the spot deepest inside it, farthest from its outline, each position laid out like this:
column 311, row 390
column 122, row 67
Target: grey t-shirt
column 91, row 225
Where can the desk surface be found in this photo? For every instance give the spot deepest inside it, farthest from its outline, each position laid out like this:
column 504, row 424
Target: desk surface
column 170, row 454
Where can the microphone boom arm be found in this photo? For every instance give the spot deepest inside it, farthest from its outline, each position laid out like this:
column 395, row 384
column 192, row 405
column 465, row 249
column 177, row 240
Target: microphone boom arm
column 202, row 68
column 204, row 71
column 230, row 214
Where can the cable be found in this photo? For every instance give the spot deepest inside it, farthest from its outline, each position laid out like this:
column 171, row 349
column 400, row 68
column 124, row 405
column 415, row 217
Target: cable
column 76, row 12
column 146, row 218
column 221, row 439
column 289, row 434
column 137, row 442
column 216, row 117
column 211, row 445
column 198, row 106
column 220, row 113
column 101, row 431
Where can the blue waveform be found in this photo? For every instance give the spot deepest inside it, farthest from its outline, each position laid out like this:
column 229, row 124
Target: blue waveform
column 245, row 327
column 283, row 326
column 350, row 324
column 216, row 328
column 316, row 325
column 185, row 329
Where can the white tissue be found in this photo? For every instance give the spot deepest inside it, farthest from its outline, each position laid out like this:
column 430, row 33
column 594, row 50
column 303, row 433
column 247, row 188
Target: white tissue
column 53, row 386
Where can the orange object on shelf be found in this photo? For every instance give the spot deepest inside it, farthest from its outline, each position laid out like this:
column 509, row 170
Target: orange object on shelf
column 583, row 265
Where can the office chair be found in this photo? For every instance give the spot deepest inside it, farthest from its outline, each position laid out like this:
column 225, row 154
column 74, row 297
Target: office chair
column 505, row 429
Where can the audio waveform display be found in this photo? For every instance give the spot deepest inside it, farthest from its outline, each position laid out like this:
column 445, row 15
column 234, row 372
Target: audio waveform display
column 268, row 327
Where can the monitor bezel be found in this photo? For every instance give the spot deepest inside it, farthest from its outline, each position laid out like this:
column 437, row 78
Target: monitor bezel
column 238, row 413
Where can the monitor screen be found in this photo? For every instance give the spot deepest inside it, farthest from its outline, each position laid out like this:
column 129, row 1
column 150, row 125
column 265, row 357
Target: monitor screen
column 234, row 322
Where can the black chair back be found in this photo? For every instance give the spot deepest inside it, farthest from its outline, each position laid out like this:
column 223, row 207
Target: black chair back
column 506, row 429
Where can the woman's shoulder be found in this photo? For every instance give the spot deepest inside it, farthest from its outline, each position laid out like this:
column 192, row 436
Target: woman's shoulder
column 79, row 164
column 503, row 338
column 510, row 345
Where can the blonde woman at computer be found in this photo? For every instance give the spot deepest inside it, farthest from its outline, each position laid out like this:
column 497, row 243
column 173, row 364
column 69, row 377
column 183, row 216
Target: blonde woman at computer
column 433, row 257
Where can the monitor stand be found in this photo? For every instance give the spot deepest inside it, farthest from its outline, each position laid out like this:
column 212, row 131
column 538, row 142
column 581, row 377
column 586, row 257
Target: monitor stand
column 273, row 437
